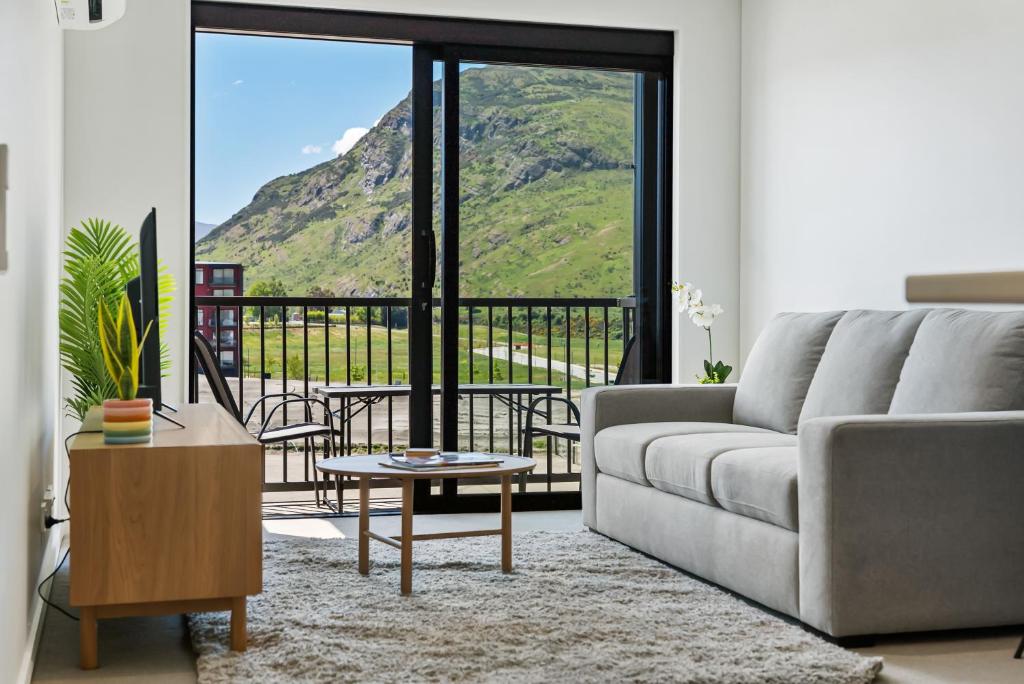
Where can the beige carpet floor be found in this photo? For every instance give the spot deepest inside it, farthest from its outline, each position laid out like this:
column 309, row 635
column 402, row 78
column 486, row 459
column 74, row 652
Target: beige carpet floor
column 578, row 607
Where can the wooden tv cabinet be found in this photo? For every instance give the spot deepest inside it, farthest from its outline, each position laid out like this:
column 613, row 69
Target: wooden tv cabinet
column 168, row 527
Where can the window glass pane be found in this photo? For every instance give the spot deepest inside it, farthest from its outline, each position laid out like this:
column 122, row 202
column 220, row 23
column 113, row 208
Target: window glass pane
column 546, row 182
column 199, row 276
column 223, row 276
column 303, row 158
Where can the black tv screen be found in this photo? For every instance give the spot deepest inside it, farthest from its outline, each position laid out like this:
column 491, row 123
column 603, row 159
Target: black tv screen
column 145, row 297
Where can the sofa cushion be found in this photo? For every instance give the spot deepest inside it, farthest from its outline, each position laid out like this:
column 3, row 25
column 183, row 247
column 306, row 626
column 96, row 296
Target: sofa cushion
column 681, row 464
column 758, row 483
column 779, row 370
column 620, row 450
column 861, row 364
column 964, row 361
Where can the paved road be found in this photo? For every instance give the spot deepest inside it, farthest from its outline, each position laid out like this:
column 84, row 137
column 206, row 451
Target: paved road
column 523, row 359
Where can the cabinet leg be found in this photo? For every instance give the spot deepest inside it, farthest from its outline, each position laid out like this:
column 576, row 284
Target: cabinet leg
column 87, row 639
column 238, row 636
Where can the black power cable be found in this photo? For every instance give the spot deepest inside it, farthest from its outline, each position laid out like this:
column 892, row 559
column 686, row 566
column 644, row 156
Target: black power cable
column 51, row 521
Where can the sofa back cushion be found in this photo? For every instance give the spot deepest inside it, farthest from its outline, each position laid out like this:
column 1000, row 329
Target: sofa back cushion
column 779, row 370
column 964, row 361
column 862, row 363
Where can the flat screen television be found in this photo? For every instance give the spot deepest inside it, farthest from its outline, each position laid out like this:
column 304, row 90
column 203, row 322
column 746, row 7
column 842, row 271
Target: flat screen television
column 145, row 299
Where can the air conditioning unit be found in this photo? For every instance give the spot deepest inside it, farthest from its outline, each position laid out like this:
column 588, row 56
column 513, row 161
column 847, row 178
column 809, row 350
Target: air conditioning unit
column 88, row 15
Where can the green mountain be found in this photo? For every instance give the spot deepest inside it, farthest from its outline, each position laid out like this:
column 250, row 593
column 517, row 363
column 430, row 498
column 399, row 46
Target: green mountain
column 545, row 209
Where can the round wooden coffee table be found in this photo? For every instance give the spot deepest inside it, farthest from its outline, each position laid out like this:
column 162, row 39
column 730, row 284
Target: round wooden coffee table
column 367, row 468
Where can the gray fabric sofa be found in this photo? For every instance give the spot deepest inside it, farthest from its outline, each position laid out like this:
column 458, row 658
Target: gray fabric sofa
column 865, row 476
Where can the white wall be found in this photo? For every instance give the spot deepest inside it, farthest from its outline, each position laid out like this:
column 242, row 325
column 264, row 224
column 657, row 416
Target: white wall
column 126, row 148
column 879, row 139
column 133, row 152
column 30, row 127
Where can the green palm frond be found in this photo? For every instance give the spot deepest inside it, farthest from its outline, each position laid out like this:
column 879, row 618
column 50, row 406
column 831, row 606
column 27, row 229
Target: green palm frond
column 99, row 260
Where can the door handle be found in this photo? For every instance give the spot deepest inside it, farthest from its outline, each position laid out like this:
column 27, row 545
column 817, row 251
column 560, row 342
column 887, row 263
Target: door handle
column 431, row 281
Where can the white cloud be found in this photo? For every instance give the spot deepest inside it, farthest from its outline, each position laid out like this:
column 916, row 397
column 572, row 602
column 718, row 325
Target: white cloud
column 312, row 149
column 238, row 82
column 348, row 140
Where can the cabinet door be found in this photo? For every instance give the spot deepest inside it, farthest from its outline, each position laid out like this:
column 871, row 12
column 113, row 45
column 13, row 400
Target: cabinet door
column 165, row 524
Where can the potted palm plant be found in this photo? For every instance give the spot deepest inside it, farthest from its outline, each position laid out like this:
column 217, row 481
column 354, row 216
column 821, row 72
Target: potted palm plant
column 126, row 420
column 99, row 259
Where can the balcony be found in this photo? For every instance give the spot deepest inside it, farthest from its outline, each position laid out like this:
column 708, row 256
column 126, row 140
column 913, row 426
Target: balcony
column 298, row 343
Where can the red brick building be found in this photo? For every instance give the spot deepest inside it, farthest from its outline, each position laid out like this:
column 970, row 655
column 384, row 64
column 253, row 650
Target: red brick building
column 217, row 279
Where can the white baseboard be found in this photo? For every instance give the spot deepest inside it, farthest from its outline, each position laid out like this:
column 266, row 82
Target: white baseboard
column 51, row 556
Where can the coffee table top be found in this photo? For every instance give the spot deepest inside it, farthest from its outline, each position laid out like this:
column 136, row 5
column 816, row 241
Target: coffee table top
column 371, row 466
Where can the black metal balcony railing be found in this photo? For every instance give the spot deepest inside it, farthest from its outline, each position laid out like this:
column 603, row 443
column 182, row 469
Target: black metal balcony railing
column 297, row 343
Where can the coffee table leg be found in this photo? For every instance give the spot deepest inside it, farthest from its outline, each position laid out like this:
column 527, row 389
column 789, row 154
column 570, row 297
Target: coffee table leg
column 407, row 536
column 506, row 523
column 364, row 525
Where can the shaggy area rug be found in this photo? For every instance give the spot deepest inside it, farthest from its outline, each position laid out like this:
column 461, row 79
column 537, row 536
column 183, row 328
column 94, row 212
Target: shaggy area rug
column 578, row 607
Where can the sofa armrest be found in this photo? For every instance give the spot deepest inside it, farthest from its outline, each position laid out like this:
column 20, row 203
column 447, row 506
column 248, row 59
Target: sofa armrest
column 911, row 522
column 626, row 404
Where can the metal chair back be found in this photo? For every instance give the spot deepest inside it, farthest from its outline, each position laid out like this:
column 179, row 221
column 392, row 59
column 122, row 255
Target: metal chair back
column 207, row 358
column 629, row 368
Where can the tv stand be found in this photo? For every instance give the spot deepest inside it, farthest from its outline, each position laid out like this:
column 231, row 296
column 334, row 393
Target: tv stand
column 171, row 526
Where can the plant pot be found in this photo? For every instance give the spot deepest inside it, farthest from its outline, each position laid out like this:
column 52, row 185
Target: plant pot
column 127, row 421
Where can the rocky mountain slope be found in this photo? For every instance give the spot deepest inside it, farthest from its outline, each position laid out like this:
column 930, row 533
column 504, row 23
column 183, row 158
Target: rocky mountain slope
column 545, row 208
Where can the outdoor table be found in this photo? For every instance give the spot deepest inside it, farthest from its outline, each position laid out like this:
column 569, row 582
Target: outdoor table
column 357, row 398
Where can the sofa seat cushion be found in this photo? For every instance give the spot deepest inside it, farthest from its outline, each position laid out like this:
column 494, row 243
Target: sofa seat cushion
column 681, row 464
column 758, row 483
column 620, row 450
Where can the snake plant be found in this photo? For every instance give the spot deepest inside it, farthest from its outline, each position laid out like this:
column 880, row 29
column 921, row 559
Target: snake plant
column 120, row 348
column 99, row 260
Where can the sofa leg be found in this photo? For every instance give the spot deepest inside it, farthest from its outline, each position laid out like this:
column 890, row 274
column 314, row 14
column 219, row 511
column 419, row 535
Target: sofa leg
column 862, row 641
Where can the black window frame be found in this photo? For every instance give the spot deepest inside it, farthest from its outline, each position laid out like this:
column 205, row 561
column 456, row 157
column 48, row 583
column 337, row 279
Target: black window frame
column 647, row 53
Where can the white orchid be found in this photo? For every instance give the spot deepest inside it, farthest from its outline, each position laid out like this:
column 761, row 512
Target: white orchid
column 691, row 303
column 703, row 315
column 686, row 293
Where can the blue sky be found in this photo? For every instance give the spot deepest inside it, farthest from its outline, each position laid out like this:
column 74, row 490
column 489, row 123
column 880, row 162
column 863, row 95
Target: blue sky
column 266, row 107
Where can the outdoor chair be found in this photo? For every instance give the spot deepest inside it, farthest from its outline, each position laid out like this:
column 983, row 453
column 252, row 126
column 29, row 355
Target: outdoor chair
column 627, row 374
column 307, row 431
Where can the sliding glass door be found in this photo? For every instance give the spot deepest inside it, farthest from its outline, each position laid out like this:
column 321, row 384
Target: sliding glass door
column 488, row 241
column 541, row 220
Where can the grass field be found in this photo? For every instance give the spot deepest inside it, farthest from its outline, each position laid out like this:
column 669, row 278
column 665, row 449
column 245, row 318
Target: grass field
column 367, row 355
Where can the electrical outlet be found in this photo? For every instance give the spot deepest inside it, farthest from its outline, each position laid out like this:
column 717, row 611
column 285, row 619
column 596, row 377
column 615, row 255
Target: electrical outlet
column 46, row 507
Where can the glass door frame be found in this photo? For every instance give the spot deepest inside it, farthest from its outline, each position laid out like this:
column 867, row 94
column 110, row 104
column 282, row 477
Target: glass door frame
column 647, row 53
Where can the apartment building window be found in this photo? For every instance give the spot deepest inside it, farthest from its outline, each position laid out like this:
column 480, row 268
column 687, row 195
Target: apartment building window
column 199, row 317
column 227, row 357
column 200, row 276
column 223, row 276
column 223, row 293
column 227, row 317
